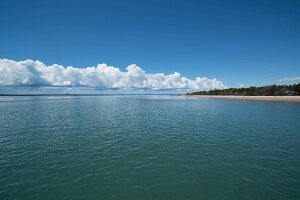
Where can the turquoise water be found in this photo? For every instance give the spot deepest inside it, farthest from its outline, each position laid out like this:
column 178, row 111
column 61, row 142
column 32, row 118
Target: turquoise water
column 148, row 147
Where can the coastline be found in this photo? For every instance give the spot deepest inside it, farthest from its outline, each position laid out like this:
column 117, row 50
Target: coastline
column 257, row 98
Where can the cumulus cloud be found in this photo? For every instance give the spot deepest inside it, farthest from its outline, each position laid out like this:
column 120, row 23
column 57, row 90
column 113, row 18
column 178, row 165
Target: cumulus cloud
column 36, row 73
column 292, row 79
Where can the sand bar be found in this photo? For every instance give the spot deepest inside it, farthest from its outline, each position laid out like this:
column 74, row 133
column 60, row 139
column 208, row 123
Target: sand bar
column 259, row 98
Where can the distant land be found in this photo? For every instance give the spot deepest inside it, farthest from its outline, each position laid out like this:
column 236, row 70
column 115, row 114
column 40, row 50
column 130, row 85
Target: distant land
column 270, row 90
column 287, row 93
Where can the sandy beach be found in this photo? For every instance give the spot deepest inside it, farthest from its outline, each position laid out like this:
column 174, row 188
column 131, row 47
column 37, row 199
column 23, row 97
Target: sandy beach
column 258, row 98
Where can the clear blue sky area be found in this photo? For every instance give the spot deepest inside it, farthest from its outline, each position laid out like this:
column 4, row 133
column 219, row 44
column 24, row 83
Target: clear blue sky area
column 237, row 42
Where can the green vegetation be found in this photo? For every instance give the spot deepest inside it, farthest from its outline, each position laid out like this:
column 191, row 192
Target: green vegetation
column 270, row 90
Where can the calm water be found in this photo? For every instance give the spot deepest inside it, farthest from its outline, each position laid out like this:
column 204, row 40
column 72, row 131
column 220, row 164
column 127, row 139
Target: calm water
column 148, row 147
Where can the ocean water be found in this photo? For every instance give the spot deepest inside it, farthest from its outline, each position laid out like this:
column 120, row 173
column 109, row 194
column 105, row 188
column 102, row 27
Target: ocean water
column 148, row 147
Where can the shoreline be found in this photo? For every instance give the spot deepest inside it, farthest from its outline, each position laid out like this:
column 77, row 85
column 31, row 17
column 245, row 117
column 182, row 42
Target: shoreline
column 256, row 98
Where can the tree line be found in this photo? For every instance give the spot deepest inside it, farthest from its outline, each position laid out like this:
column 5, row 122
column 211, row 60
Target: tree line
column 269, row 90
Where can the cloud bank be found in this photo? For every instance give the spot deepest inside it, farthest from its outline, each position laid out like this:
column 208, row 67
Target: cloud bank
column 292, row 79
column 102, row 76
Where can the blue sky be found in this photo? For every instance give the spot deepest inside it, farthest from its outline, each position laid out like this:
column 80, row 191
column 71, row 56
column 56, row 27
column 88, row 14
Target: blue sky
column 237, row 42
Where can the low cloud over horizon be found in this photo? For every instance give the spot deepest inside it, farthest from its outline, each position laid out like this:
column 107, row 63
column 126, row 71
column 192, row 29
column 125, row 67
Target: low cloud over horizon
column 291, row 79
column 102, row 76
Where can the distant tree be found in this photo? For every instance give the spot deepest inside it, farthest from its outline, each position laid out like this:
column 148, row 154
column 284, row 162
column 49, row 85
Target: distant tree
column 269, row 90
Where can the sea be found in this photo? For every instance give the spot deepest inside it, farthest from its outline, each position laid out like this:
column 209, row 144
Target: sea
column 156, row 147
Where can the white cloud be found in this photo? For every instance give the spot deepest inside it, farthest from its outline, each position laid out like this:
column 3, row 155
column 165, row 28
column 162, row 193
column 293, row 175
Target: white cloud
column 292, row 79
column 36, row 73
